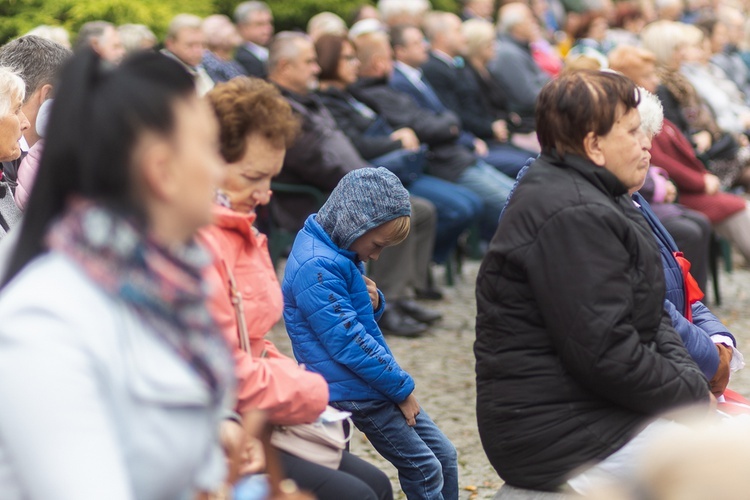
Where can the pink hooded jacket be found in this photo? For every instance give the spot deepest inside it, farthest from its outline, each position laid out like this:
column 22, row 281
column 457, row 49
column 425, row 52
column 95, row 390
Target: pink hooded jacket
column 27, row 173
column 266, row 379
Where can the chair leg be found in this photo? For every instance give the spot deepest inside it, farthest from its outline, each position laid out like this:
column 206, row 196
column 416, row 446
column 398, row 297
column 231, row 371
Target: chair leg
column 726, row 254
column 714, row 252
column 449, row 278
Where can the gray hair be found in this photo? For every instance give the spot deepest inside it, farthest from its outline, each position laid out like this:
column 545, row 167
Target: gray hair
column 324, row 23
column 213, row 29
column 510, row 15
column 181, row 22
column 37, row 60
column 392, row 8
column 55, row 33
column 283, row 47
column 92, row 30
column 11, row 86
column 246, row 9
column 651, row 111
column 662, row 38
column 661, row 4
column 435, row 23
column 132, row 36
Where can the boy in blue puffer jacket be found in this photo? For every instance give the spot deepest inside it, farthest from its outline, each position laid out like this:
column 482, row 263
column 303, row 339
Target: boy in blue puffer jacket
column 331, row 310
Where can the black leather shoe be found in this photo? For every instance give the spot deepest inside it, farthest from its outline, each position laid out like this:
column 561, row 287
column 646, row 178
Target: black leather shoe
column 419, row 313
column 393, row 322
column 431, row 293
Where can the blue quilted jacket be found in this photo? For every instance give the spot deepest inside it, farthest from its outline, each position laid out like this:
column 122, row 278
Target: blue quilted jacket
column 331, row 322
column 696, row 335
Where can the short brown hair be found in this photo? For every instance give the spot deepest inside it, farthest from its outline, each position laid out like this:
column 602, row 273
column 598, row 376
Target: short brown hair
column 328, row 49
column 577, row 103
column 246, row 106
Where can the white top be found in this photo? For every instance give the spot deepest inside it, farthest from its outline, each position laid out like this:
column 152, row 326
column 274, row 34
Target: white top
column 94, row 405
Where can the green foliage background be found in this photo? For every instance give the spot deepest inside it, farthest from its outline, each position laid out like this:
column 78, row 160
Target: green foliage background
column 19, row 16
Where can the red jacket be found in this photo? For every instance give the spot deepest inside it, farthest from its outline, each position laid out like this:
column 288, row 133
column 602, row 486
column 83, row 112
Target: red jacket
column 671, row 151
column 266, row 379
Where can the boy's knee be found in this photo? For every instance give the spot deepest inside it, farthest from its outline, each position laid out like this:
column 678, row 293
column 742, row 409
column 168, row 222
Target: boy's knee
column 447, row 454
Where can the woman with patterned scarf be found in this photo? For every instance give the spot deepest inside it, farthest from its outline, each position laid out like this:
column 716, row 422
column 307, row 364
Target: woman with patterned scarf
column 112, row 376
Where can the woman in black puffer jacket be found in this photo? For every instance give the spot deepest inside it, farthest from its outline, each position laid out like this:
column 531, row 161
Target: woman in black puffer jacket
column 575, row 353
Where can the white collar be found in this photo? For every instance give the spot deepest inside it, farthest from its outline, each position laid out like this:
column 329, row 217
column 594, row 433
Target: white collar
column 257, row 50
column 444, row 57
column 414, row 75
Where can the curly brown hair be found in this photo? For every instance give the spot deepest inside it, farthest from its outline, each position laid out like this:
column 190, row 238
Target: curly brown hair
column 246, row 106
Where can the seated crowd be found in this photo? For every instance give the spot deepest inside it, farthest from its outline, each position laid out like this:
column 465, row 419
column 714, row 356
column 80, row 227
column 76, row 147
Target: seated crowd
column 591, row 155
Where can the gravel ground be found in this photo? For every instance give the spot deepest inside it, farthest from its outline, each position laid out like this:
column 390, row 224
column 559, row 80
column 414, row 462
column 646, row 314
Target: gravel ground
column 442, row 363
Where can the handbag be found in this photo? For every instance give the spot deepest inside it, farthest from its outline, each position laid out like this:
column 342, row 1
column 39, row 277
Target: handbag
column 321, row 442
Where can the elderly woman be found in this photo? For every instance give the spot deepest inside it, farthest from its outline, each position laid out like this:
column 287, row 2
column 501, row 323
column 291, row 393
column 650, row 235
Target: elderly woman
column 457, row 207
column 691, row 229
column 699, row 189
column 12, row 125
column 575, row 353
column 112, row 376
column 480, row 50
column 222, row 39
column 708, row 341
column 256, row 127
column 726, row 100
column 683, row 105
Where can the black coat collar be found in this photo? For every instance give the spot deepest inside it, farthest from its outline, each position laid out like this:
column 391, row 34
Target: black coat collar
column 598, row 176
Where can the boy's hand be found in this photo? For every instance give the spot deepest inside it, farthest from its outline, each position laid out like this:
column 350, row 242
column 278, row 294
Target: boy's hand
column 410, row 408
column 372, row 289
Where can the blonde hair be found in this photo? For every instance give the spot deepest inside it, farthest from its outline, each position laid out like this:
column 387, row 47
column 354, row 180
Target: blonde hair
column 663, row 38
column 691, row 35
column 133, row 36
column 183, row 21
column 630, row 60
column 325, row 23
column 401, row 227
column 55, row 33
column 477, row 32
column 578, row 62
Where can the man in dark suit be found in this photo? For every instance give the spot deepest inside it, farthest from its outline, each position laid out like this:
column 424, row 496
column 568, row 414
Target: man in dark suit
column 447, row 159
column 446, row 78
column 255, row 24
column 514, row 66
column 320, row 156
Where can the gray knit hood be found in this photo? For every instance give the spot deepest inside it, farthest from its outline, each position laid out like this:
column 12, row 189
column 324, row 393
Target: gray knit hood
column 364, row 199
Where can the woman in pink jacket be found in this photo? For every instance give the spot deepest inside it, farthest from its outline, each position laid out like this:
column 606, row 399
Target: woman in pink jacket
column 257, row 125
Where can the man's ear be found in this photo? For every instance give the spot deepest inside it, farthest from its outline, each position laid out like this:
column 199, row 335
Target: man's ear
column 592, row 147
column 45, row 92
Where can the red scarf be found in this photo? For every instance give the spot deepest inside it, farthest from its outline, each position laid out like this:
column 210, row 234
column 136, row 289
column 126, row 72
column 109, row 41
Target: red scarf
column 693, row 292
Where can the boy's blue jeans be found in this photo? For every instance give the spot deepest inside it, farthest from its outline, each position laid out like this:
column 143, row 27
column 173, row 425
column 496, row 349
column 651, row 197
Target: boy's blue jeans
column 426, row 460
